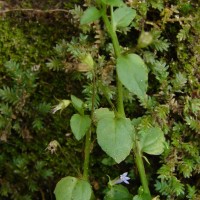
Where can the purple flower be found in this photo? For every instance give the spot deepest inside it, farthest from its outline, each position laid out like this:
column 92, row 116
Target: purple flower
column 122, row 178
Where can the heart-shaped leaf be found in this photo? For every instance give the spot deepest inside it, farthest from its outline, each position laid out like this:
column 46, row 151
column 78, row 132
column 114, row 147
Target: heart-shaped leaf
column 133, row 74
column 123, row 16
column 114, row 135
column 90, row 15
column 151, row 141
column 80, row 125
column 71, row 188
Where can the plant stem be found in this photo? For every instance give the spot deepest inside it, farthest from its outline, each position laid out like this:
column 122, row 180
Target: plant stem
column 115, row 42
column 88, row 135
column 108, row 98
column 69, row 161
column 87, row 155
column 141, row 169
column 120, row 106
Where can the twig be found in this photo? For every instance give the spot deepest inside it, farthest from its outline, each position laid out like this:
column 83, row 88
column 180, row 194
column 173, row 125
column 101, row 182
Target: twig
column 33, row 10
column 153, row 24
column 180, row 19
column 42, row 194
column 171, row 20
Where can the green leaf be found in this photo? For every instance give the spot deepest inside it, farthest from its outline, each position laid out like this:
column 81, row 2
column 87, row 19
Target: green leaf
column 159, row 43
column 108, row 161
column 88, row 61
column 78, row 104
column 113, row 2
column 9, row 95
column 80, row 125
column 118, row 192
column 90, row 15
column 151, row 141
column 102, row 113
column 114, row 135
column 133, row 74
column 70, row 188
column 123, row 16
column 143, row 196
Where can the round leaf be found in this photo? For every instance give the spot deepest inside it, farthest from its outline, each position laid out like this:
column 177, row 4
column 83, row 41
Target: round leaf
column 103, row 113
column 123, row 16
column 114, row 135
column 151, row 141
column 90, row 15
column 70, row 188
column 133, row 74
column 82, row 191
column 80, row 125
column 118, row 192
column 142, row 196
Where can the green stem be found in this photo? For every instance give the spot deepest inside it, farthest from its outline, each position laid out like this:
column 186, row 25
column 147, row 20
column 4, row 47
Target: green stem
column 108, row 98
column 115, row 42
column 120, row 104
column 120, row 107
column 69, row 161
column 87, row 155
column 88, row 135
column 141, row 169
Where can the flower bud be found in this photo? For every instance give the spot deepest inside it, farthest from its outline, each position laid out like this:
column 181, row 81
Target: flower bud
column 145, row 39
column 62, row 105
column 87, row 63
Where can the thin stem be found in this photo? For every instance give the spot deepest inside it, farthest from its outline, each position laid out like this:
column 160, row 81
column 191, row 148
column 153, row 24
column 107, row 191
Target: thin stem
column 42, row 194
column 69, row 161
column 141, row 169
column 113, row 35
column 120, row 104
column 138, row 157
column 88, row 135
column 87, row 155
column 33, row 10
column 108, row 98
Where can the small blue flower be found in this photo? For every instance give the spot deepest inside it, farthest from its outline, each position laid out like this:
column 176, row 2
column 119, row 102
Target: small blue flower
column 122, row 178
